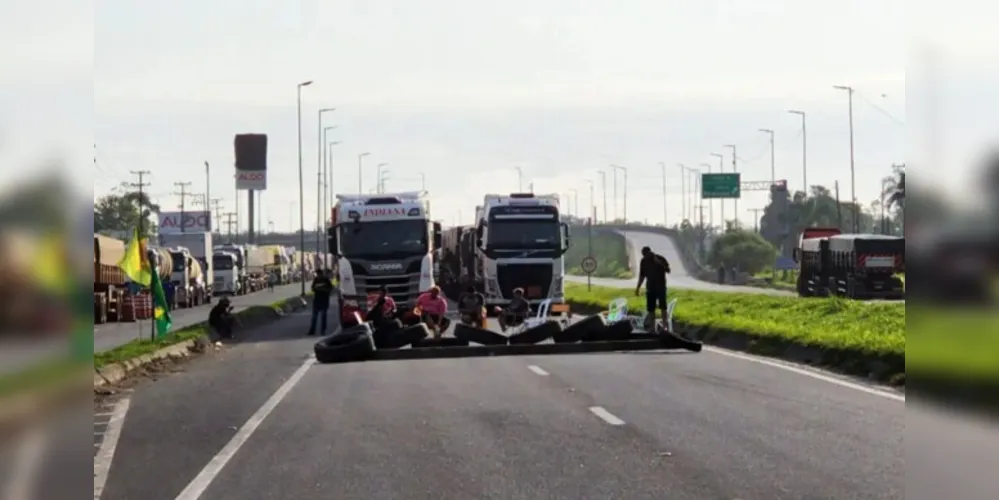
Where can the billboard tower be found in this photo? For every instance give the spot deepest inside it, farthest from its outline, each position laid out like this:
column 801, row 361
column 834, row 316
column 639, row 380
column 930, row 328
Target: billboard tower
column 251, row 171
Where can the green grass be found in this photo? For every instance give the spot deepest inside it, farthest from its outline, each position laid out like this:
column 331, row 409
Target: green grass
column 865, row 328
column 960, row 343
column 41, row 376
column 609, row 249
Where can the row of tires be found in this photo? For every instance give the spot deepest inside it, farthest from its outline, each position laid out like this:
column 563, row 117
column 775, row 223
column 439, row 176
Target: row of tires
column 358, row 343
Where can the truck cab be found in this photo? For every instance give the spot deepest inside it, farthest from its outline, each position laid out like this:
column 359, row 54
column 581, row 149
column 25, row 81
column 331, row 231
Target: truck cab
column 520, row 242
column 227, row 274
column 383, row 240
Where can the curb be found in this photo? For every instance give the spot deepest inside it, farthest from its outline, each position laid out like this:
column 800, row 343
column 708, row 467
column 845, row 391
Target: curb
column 116, row 372
column 880, row 369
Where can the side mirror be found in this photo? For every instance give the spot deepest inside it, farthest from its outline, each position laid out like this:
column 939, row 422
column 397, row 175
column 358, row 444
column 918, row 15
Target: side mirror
column 333, row 245
column 437, row 235
column 566, row 235
column 479, row 233
column 796, row 255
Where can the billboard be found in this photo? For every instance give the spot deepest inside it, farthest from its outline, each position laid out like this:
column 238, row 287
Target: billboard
column 251, row 161
column 195, row 221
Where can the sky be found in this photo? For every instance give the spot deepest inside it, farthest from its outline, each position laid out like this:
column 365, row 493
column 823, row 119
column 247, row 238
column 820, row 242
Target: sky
column 462, row 93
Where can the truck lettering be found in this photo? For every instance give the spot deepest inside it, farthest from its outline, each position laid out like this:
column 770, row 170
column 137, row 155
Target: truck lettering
column 377, row 212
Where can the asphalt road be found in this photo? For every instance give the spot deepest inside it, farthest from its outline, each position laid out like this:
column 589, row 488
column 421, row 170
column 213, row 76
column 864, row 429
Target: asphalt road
column 111, row 335
column 260, row 421
column 679, row 277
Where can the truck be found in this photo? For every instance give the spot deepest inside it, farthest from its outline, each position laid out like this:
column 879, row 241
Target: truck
column 519, row 242
column 199, row 245
column 381, row 240
column 228, row 280
column 190, row 287
column 109, row 280
column 856, row 266
column 239, row 272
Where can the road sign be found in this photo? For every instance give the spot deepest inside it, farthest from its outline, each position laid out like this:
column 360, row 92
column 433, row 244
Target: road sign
column 715, row 186
column 589, row 265
column 195, row 221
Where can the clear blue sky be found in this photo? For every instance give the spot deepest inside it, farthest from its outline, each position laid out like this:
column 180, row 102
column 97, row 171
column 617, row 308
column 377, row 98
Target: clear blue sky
column 464, row 91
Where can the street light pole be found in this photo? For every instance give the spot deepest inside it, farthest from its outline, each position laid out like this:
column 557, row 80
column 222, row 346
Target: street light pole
column 735, row 169
column 360, row 172
column 603, row 186
column 721, row 169
column 520, row 179
column 329, row 193
column 804, row 149
column 321, row 181
column 711, row 205
column 683, row 192
column 423, row 181
column 301, row 176
column 624, row 190
column 380, row 186
column 773, row 196
column 853, row 176
column 662, row 164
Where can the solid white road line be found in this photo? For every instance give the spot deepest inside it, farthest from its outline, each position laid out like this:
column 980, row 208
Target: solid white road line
column 537, row 370
column 105, row 455
column 200, row 483
column 809, row 373
column 606, row 416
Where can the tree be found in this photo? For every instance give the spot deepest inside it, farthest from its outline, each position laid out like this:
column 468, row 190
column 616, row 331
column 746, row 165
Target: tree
column 120, row 213
column 746, row 250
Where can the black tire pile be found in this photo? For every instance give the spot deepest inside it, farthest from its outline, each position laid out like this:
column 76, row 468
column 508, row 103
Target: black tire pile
column 359, row 343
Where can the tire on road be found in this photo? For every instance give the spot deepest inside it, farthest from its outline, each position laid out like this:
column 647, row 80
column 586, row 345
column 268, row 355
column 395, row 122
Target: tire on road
column 405, row 336
column 351, row 345
column 440, row 342
column 585, row 328
column 384, row 332
column 475, row 335
column 618, row 330
column 536, row 335
column 672, row 340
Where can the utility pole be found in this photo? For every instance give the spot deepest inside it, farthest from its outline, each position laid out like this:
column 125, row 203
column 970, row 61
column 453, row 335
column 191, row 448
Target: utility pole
column 756, row 219
column 183, row 200
column 208, row 195
column 141, row 234
column 216, row 206
column 804, row 149
column 662, row 164
column 735, row 170
column 230, row 222
column 853, row 172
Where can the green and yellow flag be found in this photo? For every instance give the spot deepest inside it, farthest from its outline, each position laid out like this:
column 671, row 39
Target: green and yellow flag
column 135, row 263
column 161, row 313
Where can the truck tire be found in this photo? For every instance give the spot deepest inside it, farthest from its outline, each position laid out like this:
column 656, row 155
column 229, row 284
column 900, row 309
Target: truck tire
column 618, row 330
column 475, row 335
column 398, row 338
column 440, row 342
column 580, row 330
column 351, row 345
column 536, row 335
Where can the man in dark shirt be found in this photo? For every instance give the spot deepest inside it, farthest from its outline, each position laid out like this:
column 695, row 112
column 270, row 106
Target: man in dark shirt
column 472, row 307
column 322, row 289
column 220, row 318
column 652, row 271
column 516, row 312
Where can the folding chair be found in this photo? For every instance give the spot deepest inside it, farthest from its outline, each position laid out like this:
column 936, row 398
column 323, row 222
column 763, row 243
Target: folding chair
column 617, row 310
column 668, row 320
column 538, row 319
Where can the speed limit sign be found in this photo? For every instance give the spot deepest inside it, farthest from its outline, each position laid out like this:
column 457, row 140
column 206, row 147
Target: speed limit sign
column 589, row 265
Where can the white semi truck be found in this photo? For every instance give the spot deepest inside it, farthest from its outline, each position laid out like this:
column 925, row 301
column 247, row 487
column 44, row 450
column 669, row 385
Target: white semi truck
column 383, row 240
column 520, row 241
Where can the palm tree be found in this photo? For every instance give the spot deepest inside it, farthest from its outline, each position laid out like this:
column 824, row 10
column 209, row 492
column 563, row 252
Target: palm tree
column 896, row 192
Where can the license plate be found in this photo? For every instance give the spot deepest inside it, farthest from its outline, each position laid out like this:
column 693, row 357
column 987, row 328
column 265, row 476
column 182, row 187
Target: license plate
column 534, row 292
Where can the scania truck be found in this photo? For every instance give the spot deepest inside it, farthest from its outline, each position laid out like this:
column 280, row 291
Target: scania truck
column 383, row 240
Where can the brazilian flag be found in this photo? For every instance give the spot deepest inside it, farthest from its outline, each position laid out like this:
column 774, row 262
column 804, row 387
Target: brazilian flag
column 161, row 313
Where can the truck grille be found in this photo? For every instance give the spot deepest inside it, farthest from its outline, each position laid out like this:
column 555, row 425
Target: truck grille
column 403, row 288
column 535, row 279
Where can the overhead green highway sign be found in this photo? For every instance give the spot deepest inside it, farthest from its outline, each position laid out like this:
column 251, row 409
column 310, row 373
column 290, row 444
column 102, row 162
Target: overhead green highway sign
column 715, row 186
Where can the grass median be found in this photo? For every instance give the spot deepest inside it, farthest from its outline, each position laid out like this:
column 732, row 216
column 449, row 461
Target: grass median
column 143, row 347
column 848, row 328
column 608, row 247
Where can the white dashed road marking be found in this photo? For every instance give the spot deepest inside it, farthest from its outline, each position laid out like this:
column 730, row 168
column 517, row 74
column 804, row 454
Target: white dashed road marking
column 606, row 416
column 537, row 370
column 105, row 454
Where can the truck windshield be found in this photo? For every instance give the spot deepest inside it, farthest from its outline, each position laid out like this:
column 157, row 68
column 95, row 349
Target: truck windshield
column 221, row 263
column 524, row 234
column 384, row 238
column 178, row 261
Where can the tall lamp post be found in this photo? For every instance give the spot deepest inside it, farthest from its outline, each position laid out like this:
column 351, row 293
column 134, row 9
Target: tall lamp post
column 301, row 176
column 360, row 172
column 853, row 175
column 804, row 149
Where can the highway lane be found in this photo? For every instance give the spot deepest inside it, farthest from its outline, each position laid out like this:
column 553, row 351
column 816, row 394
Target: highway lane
column 679, row 277
column 691, row 427
column 111, row 335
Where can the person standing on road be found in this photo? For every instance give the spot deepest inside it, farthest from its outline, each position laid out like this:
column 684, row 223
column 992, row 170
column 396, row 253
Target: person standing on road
column 322, row 289
column 652, row 272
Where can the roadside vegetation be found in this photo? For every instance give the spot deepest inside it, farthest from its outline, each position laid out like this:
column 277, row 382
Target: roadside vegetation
column 610, row 249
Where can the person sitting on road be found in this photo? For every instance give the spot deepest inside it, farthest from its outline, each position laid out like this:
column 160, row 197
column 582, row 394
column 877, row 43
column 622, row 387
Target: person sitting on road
column 220, row 318
column 652, row 271
column 432, row 307
column 516, row 312
column 472, row 307
column 383, row 309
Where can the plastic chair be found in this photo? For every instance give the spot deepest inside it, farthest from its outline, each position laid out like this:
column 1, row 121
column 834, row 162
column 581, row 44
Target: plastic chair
column 537, row 319
column 668, row 320
column 617, row 310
